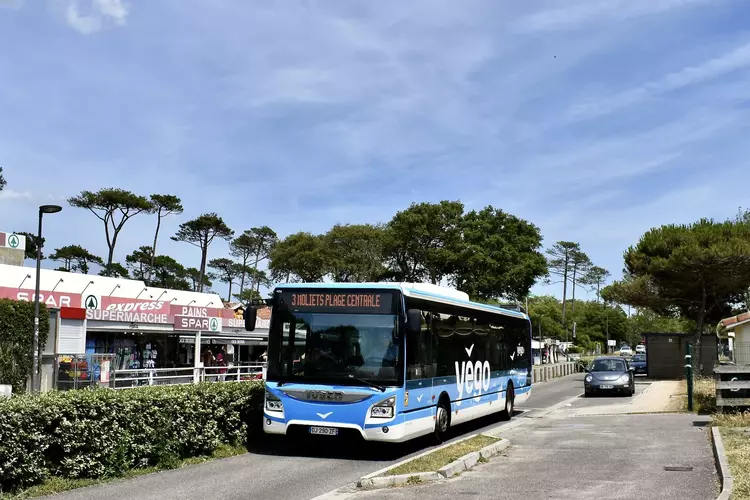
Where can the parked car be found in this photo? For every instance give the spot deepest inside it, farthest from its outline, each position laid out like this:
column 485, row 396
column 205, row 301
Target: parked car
column 638, row 362
column 626, row 351
column 640, row 349
column 609, row 374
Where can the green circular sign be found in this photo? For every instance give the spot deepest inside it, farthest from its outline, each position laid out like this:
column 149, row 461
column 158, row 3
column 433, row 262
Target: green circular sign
column 91, row 302
column 214, row 324
column 13, row 241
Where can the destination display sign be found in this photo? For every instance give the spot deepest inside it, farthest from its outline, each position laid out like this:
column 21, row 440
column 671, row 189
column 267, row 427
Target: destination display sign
column 380, row 302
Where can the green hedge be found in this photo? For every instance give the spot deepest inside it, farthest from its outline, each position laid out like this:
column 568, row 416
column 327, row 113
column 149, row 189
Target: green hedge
column 102, row 432
column 16, row 336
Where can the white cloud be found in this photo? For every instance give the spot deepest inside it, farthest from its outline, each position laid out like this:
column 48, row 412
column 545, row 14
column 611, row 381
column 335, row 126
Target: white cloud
column 99, row 13
column 10, row 195
column 570, row 17
column 714, row 68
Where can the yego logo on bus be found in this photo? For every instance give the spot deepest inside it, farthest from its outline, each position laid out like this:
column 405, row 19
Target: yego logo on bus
column 471, row 377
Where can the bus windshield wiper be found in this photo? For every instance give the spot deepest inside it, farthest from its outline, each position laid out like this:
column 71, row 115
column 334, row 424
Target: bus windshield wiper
column 367, row 382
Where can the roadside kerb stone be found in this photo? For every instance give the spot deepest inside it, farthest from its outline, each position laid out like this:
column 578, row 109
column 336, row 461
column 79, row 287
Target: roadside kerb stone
column 378, row 480
column 365, row 479
column 493, row 449
column 722, row 465
column 399, row 480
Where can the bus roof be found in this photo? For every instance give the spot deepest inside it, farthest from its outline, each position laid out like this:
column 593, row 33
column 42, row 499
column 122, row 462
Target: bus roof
column 423, row 291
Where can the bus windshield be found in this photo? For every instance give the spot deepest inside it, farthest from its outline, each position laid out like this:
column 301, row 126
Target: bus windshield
column 335, row 347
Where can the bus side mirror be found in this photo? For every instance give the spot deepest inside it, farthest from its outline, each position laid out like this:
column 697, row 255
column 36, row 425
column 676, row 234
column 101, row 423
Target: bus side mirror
column 250, row 316
column 413, row 321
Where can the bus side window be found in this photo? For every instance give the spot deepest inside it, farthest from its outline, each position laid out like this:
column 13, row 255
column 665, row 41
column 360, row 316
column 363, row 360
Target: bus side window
column 419, row 352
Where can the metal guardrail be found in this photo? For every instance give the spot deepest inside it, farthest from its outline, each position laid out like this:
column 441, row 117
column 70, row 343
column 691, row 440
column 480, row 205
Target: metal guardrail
column 79, row 371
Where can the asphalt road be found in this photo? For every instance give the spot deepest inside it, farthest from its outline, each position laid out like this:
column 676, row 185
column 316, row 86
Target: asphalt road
column 606, row 399
column 282, row 469
column 588, row 458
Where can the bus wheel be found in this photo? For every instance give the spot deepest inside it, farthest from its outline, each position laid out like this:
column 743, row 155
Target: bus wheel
column 442, row 421
column 507, row 413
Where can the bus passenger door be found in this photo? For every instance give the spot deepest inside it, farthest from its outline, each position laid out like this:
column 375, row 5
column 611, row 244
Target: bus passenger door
column 418, row 388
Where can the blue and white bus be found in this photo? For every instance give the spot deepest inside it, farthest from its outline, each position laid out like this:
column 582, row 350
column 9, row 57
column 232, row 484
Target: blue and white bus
column 389, row 361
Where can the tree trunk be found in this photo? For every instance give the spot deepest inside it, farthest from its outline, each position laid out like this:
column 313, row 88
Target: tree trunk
column 573, row 303
column 153, row 249
column 699, row 327
column 565, row 292
column 204, row 255
column 229, row 294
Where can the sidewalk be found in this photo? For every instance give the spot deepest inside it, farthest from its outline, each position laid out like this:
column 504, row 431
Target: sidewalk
column 592, row 457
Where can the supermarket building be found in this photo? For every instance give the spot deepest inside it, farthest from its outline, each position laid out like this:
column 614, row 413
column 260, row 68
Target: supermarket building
column 134, row 328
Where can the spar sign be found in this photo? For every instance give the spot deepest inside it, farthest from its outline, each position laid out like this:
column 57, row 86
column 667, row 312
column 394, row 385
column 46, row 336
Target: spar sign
column 197, row 324
column 53, row 300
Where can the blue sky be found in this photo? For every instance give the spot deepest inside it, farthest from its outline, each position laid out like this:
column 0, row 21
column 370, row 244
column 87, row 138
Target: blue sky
column 595, row 120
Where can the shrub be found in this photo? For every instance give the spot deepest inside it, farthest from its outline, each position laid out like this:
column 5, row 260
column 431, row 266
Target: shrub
column 96, row 433
column 16, row 337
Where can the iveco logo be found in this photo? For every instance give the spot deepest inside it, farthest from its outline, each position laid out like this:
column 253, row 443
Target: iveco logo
column 325, row 395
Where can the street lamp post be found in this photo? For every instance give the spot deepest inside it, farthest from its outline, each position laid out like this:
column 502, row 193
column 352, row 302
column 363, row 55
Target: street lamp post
column 35, row 373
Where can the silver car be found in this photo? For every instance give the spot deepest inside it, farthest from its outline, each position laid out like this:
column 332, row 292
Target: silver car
column 609, row 374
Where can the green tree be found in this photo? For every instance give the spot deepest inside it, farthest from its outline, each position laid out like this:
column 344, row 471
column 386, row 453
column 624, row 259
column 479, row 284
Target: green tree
column 201, row 232
column 423, row 241
column 580, row 263
column 116, row 270
column 560, row 263
column 546, row 311
column 163, row 205
column 3, row 182
column 166, row 272
column 16, row 338
column 114, row 207
column 596, row 278
column 32, row 243
column 193, row 275
column 645, row 321
column 499, row 255
column 75, row 258
column 299, row 257
column 247, row 296
column 254, row 245
column 140, row 262
column 694, row 271
column 354, row 253
column 227, row 271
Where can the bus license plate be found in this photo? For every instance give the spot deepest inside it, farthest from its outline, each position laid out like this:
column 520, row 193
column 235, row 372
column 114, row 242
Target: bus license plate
column 324, row 431
column 607, row 387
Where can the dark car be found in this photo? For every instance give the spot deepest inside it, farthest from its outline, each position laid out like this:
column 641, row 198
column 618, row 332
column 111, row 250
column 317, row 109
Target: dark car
column 609, row 374
column 638, row 362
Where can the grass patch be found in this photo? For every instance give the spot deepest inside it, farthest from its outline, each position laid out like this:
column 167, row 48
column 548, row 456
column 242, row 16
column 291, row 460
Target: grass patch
column 731, row 419
column 737, row 446
column 59, row 484
column 443, row 457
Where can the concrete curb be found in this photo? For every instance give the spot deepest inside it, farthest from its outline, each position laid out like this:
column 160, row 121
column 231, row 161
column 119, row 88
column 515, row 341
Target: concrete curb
column 722, row 465
column 382, row 472
column 378, row 480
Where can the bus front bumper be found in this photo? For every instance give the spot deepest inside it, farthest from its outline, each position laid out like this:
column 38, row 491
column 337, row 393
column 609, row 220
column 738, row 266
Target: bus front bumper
column 393, row 431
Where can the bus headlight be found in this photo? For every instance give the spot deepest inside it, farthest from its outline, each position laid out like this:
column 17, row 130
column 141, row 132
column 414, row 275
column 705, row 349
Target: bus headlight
column 384, row 409
column 273, row 403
